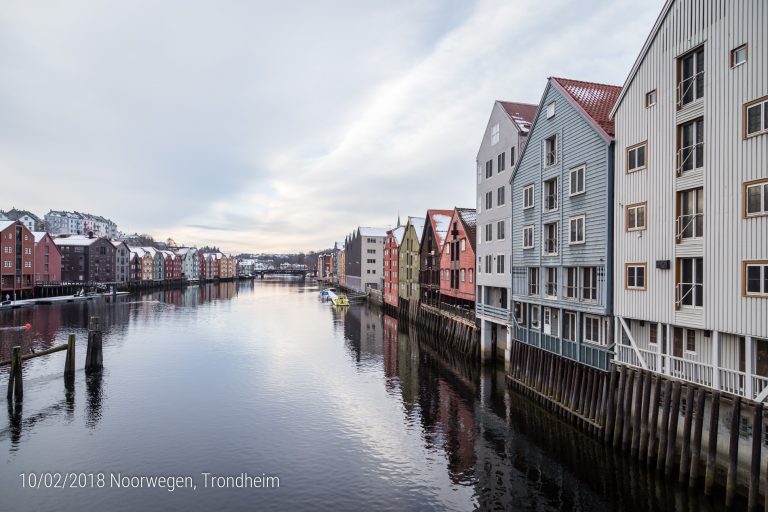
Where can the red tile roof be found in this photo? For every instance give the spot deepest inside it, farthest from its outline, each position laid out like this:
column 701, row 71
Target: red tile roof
column 521, row 113
column 596, row 100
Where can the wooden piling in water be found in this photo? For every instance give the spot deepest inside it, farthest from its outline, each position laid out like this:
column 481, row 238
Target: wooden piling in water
column 69, row 364
column 685, row 455
column 661, row 457
column 669, row 464
column 15, row 382
column 636, row 419
column 754, row 470
column 654, row 426
column 714, row 418
column 610, row 403
column 619, row 409
column 644, row 411
column 629, row 389
column 733, row 453
column 93, row 357
column 697, row 431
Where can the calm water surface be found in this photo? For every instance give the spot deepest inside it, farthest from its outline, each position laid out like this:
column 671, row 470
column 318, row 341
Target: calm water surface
column 350, row 412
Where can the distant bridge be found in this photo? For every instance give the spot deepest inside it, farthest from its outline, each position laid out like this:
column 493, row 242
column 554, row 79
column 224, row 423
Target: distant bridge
column 280, row 272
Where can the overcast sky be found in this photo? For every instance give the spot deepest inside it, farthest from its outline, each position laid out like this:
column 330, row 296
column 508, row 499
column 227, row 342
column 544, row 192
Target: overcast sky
column 277, row 126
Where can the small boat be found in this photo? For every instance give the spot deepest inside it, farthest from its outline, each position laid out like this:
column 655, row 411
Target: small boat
column 327, row 293
column 338, row 300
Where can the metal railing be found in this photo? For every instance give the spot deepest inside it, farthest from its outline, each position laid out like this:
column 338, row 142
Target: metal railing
column 687, row 226
column 550, row 202
column 686, row 86
column 550, row 246
column 551, row 157
column 597, row 356
column 685, row 295
column 690, row 157
column 494, row 312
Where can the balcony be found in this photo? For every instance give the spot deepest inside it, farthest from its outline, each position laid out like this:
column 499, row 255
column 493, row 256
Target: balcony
column 494, row 312
column 689, row 226
column 550, row 246
column 690, row 158
column 596, row 356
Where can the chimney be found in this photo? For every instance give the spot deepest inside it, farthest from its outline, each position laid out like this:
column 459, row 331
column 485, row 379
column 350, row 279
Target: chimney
column 90, row 234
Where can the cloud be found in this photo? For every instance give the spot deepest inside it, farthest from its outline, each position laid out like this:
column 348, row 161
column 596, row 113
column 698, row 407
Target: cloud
column 262, row 127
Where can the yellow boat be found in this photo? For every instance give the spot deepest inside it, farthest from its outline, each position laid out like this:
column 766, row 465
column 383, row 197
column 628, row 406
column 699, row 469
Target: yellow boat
column 338, row 300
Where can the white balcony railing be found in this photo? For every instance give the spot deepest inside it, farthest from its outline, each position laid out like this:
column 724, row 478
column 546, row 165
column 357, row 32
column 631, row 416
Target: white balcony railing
column 686, row 91
column 690, row 157
column 689, row 226
column 494, row 312
column 689, row 295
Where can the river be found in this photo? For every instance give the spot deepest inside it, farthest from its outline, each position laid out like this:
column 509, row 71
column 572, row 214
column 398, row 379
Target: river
column 347, row 409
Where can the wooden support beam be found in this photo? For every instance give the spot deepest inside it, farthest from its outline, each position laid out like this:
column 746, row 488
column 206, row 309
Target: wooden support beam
column 629, row 389
column 654, row 426
column 714, row 419
column 610, row 400
column 733, row 453
column 619, row 408
column 15, row 382
column 697, row 431
column 667, row 399
column 644, row 413
column 637, row 413
column 754, row 470
column 674, row 415
column 685, row 455
column 93, row 358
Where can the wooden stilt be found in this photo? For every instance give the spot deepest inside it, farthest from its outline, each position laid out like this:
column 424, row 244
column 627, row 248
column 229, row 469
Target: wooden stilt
column 674, row 416
column 629, row 389
column 733, row 453
column 697, row 430
column 685, row 455
column 754, row 469
column 93, row 357
column 15, row 381
column 654, row 421
column 644, row 411
column 667, row 399
column 619, row 408
column 714, row 419
column 637, row 414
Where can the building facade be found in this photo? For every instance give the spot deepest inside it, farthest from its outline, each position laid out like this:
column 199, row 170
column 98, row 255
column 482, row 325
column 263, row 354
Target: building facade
column 28, row 219
column 62, row 223
column 691, row 209
column 122, row 262
column 17, row 247
column 191, row 263
column 391, row 265
column 86, row 259
column 47, row 259
column 502, row 143
column 408, row 278
column 364, row 249
column 436, row 225
column 562, row 224
column 457, row 260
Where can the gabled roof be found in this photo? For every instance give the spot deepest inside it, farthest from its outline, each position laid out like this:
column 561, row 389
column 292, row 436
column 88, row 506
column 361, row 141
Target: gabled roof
column 522, row 114
column 641, row 56
column 6, row 223
column 78, row 240
column 440, row 221
column 397, row 233
column 468, row 217
column 39, row 235
column 595, row 100
column 368, row 231
column 418, row 226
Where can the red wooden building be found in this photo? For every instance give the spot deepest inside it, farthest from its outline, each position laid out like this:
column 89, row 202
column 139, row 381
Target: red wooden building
column 436, row 225
column 391, row 259
column 17, row 272
column 47, row 259
column 457, row 261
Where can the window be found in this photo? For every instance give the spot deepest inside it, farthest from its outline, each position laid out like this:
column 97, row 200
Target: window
column 650, row 98
column 500, row 264
column 593, row 332
column 634, row 276
column 488, row 264
column 519, row 309
column 533, row 281
column 471, row 276
column 528, row 198
column 690, row 221
column 577, row 180
column 528, row 237
column 755, row 276
column 495, row 134
column 690, row 152
column 479, row 174
column 576, row 231
column 550, row 288
column 636, row 157
column 463, row 244
column 690, row 340
column 690, row 85
column 500, row 193
column 589, row 284
column 739, row 55
column 489, row 168
column 534, row 316
column 756, row 198
column 462, row 275
column 27, row 264
column 635, row 217
column 571, row 283
column 512, row 156
column 7, row 264
column 7, row 249
column 569, row 326
column 653, row 333
column 550, row 195
column 549, row 242
column 500, row 230
column 370, row 261
column 501, row 165
column 690, row 286
column 550, row 151
column 488, row 200
column 756, row 117
column 489, row 232
column 551, row 110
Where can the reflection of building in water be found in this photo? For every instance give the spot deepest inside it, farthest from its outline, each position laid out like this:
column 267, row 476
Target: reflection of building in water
column 390, row 351
column 364, row 333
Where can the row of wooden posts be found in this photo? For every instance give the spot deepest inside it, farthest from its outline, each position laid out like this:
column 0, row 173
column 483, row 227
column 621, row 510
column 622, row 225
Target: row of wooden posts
column 94, row 360
column 637, row 412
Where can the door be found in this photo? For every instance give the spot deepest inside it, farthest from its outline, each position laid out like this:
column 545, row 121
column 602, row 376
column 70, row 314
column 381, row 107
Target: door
column 547, row 321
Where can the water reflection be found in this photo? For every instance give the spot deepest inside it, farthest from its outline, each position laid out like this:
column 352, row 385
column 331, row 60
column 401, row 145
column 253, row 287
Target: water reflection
column 95, row 395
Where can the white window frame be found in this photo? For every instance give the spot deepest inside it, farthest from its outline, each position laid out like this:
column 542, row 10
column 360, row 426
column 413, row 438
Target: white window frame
column 583, row 169
column 633, row 149
column 734, row 52
column 576, row 218
column 550, row 110
column 632, row 212
column 544, row 207
column 544, row 241
column 547, row 273
column 600, row 330
column 635, row 266
column 762, row 104
column 762, row 186
column 529, row 192
column 569, row 319
column 532, row 230
column 648, row 102
column 535, row 316
column 762, row 278
column 495, row 134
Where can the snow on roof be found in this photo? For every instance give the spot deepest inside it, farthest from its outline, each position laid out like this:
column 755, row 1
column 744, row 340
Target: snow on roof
column 521, row 113
column 595, row 99
column 418, row 226
column 367, row 231
column 5, row 223
column 39, row 235
column 398, row 233
column 469, row 217
column 78, row 240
